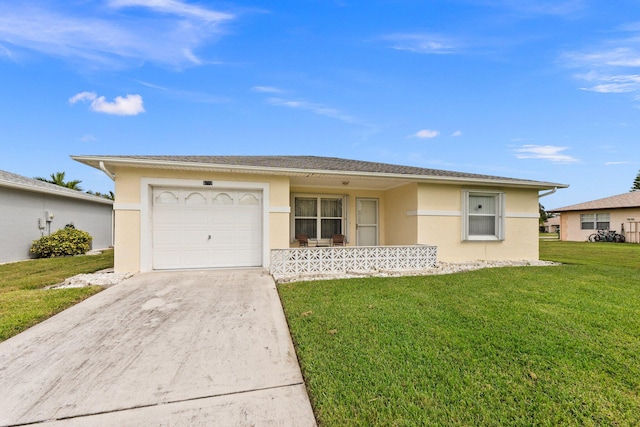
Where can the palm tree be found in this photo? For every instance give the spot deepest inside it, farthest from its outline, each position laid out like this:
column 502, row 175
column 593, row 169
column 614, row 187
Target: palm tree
column 58, row 179
column 108, row 195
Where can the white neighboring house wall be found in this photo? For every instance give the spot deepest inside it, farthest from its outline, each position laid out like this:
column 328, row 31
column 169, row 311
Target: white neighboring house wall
column 30, row 209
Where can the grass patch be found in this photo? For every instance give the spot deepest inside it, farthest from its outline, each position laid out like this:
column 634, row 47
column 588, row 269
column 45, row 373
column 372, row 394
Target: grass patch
column 549, row 236
column 504, row 346
column 23, row 302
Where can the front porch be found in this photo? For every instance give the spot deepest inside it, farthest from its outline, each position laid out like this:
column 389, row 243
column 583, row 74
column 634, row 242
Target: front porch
column 295, row 262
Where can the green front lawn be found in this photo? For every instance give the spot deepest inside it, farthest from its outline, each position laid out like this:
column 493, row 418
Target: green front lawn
column 504, row 346
column 23, row 302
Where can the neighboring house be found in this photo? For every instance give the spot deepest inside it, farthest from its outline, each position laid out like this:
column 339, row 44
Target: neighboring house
column 176, row 212
column 31, row 209
column 552, row 225
column 620, row 213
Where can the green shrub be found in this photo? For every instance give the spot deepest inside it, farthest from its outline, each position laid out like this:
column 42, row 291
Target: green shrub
column 64, row 242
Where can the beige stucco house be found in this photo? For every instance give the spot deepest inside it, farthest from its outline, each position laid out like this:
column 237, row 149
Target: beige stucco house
column 177, row 212
column 552, row 225
column 620, row 213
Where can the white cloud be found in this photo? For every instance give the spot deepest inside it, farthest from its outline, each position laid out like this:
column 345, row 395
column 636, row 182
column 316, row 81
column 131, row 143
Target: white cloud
column 544, row 152
column 316, row 108
column 612, row 83
column 188, row 54
column 612, row 88
column 617, row 163
column 200, row 97
column 88, row 138
column 173, row 7
column 82, row 96
column 625, row 56
column 152, row 86
column 266, row 89
column 6, row 52
column 457, row 133
column 426, row 134
column 546, row 7
column 611, row 65
column 167, row 34
column 421, row 43
column 130, row 105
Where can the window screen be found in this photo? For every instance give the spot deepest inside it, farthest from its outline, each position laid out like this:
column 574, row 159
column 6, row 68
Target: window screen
column 318, row 217
column 484, row 215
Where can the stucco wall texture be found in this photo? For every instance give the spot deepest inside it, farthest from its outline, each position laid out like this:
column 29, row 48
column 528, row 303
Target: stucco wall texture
column 23, row 220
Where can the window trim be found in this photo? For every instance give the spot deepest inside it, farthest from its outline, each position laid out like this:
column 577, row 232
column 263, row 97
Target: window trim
column 319, row 197
column 499, row 215
column 595, row 221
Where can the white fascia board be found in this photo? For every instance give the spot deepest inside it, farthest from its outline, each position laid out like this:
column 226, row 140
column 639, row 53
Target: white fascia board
column 95, row 160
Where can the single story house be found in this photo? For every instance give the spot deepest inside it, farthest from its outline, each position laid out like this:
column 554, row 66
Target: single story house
column 178, row 212
column 620, row 213
column 31, row 209
column 552, row 225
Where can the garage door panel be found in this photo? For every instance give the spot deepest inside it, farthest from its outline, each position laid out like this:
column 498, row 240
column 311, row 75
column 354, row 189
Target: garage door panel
column 168, row 259
column 224, row 216
column 247, row 210
column 183, row 220
column 223, row 236
column 195, row 258
column 196, row 216
column 250, row 256
column 221, row 257
column 248, row 238
column 195, row 198
column 167, row 216
column 194, row 237
column 167, row 238
column 246, row 215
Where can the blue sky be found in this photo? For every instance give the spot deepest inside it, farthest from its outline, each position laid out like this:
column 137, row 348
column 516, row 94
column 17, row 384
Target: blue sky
column 546, row 90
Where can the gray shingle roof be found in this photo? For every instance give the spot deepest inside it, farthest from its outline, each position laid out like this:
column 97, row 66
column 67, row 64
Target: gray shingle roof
column 626, row 200
column 8, row 179
column 319, row 164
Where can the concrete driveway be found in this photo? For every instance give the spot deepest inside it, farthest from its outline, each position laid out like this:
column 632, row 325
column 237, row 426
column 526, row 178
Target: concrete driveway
column 160, row 349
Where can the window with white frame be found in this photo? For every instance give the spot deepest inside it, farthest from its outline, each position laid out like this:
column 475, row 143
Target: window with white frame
column 483, row 215
column 594, row 221
column 319, row 217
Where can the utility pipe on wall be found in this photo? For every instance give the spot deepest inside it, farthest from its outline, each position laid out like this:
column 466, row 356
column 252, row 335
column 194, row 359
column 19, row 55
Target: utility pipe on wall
column 548, row 193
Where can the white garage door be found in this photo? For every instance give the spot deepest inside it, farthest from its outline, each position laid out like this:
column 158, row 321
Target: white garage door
column 206, row 228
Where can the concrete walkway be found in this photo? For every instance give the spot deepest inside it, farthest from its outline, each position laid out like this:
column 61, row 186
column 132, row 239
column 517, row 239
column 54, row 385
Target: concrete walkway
column 160, row 349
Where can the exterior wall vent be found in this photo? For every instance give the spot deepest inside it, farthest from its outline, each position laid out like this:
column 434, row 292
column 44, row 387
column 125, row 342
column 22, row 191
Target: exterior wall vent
column 207, row 182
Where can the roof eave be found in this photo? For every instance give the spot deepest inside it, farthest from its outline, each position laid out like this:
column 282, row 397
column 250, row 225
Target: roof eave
column 110, row 162
column 587, row 208
column 33, row 189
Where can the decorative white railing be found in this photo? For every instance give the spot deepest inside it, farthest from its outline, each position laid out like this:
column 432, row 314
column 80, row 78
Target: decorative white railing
column 296, row 262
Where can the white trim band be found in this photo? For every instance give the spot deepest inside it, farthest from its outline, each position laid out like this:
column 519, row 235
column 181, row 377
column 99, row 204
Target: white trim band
column 126, row 207
column 280, row 209
column 433, row 213
column 522, row 215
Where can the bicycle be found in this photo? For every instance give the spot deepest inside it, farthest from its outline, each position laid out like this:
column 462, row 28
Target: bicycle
column 606, row 236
